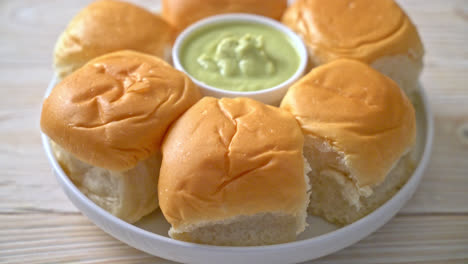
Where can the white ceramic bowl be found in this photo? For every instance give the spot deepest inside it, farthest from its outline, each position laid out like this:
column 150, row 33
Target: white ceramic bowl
column 319, row 239
column 271, row 95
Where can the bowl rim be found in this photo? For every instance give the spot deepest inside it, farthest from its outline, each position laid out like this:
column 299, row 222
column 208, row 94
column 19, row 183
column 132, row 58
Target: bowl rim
column 296, row 41
column 361, row 224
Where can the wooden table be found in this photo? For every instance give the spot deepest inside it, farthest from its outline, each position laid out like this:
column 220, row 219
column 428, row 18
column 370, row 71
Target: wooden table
column 39, row 225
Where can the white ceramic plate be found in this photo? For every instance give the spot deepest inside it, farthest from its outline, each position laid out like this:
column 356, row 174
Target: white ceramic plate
column 319, row 239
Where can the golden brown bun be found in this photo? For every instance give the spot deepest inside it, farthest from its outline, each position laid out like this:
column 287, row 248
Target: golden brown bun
column 359, row 29
column 360, row 112
column 231, row 157
column 114, row 111
column 107, row 26
column 182, row 13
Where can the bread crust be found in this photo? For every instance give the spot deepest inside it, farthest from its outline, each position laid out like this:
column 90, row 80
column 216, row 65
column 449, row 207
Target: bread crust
column 364, row 30
column 231, row 157
column 182, row 13
column 114, row 111
column 106, row 26
column 360, row 112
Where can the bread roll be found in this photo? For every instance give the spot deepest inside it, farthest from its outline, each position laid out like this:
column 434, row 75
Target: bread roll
column 182, row 13
column 233, row 174
column 109, row 118
column 357, row 125
column 107, row 26
column 375, row 32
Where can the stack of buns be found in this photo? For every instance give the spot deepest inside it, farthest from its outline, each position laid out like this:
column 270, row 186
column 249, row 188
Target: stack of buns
column 375, row 32
column 133, row 133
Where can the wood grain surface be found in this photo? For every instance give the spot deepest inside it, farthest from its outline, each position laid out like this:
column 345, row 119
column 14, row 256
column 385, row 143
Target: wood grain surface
column 39, row 225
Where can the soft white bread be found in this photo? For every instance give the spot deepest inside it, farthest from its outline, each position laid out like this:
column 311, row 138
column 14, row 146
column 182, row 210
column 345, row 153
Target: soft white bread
column 129, row 195
column 375, row 32
column 357, row 125
column 233, row 174
column 182, row 13
column 108, row 119
column 106, row 26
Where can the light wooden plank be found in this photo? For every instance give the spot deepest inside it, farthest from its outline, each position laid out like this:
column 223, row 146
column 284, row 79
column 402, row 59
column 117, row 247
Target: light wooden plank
column 59, row 238
column 444, row 186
